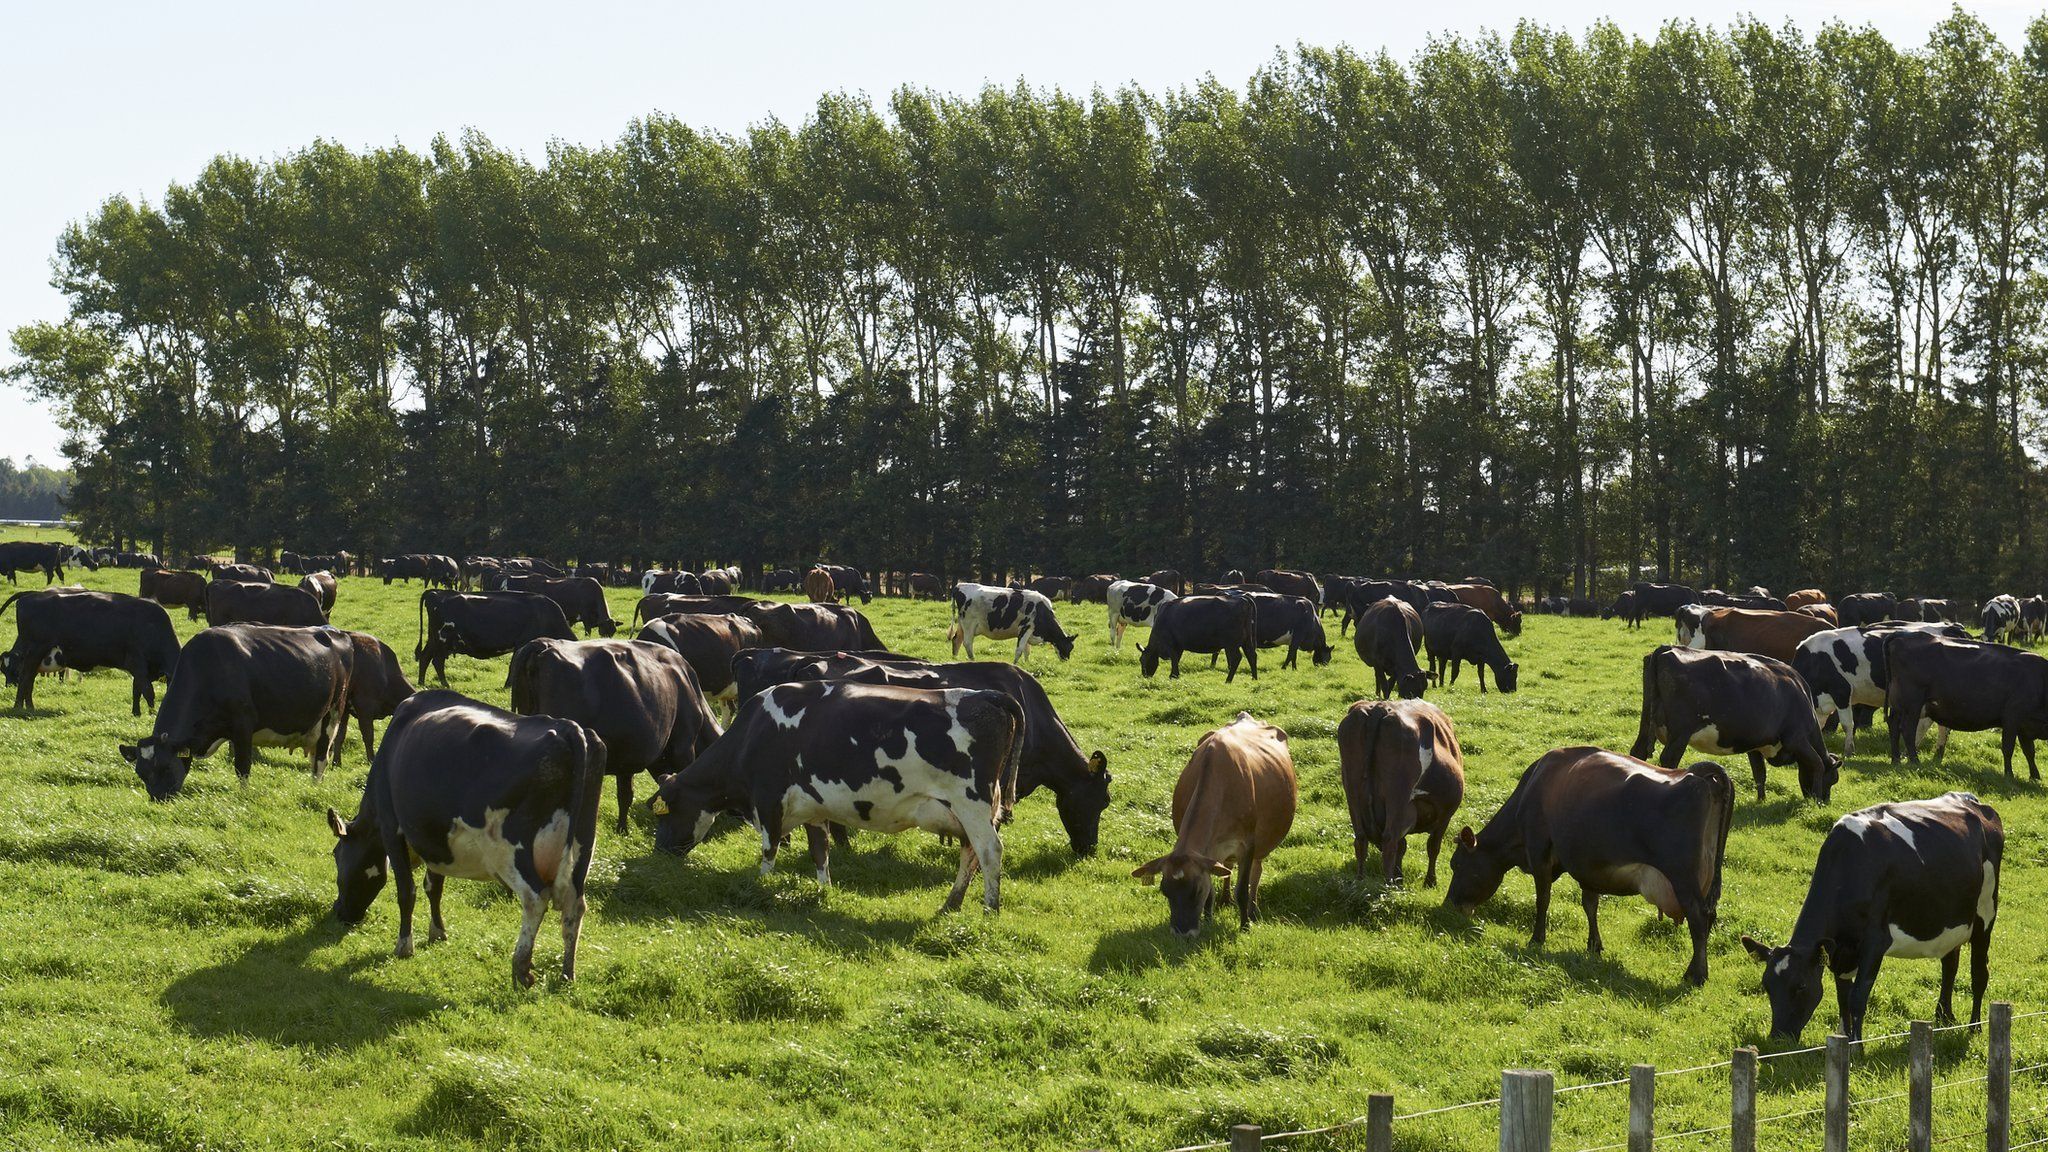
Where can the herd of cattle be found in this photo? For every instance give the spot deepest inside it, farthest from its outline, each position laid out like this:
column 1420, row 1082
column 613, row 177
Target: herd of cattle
column 831, row 731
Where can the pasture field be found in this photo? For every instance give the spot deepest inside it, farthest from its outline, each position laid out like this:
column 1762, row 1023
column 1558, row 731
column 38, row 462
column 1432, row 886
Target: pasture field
column 171, row 976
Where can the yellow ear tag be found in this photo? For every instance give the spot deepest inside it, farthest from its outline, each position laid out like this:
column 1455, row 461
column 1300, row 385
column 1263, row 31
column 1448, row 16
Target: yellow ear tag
column 659, row 807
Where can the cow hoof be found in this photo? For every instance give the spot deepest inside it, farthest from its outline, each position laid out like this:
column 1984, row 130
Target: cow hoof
column 404, row 949
column 523, row 976
column 436, row 934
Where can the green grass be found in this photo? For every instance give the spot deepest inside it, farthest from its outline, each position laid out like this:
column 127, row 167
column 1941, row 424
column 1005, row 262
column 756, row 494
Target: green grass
column 170, row 976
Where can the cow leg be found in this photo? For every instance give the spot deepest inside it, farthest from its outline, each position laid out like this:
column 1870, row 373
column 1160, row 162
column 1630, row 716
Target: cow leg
column 533, row 907
column 1023, row 647
column 1292, row 653
column 1394, row 840
column 1543, row 878
column 1435, row 843
column 1248, row 893
column 1852, row 994
column 987, row 845
column 1848, row 716
column 1700, row 922
column 1756, row 771
column 1251, row 660
column 2027, row 746
column 2007, row 737
column 625, row 790
column 400, row 863
column 771, row 839
column 1590, row 901
column 242, row 738
column 1479, row 670
column 1212, row 658
column 1675, row 743
column 437, row 929
column 569, row 902
column 1980, row 969
column 369, row 738
column 968, row 863
column 1944, row 1008
column 1173, row 673
column 820, row 844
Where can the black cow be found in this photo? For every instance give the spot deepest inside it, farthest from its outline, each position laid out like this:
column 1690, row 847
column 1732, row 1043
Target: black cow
column 1725, row 703
column 864, row 756
column 322, row 587
column 247, row 685
column 186, row 589
column 1366, row 593
column 1209, row 624
column 1866, row 608
column 1964, row 685
column 236, row 602
column 1627, row 607
column 1092, row 589
column 641, row 699
column 1051, row 587
column 1662, row 599
column 1388, row 634
column 376, row 687
column 708, row 643
column 1914, row 880
column 655, row 605
column 1295, row 621
column 848, row 581
column 1288, row 582
column 475, row 792
column 1455, row 633
column 582, row 599
column 782, row 580
column 816, row 627
column 46, row 557
column 926, row 586
column 1169, row 579
column 80, row 630
column 240, row 573
column 432, row 568
column 482, row 625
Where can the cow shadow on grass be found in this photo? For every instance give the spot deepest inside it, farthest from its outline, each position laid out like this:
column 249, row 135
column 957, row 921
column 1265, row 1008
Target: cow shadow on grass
column 1153, row 944
column 655, row 887
column 270, row 992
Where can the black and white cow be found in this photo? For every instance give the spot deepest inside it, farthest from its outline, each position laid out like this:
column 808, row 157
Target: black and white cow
column 1866, row 608
column 1133, row 602
column 1844, row 670
column 41, row 556
column 2001, row 619
column 2034, row 618
column 874, row 757
column 1916, row 880
column 1003, row 613
column 249, row 685
column 477, row 793
column 80, row 630
column 482, row 625
column 1730, row 703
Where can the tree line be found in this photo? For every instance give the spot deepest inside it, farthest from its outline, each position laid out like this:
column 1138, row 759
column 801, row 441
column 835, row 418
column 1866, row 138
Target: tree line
column 1724, row 305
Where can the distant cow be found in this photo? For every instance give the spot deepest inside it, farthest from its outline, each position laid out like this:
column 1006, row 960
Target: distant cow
column 1728, row 703
column 655, row 605
column 1366, row 593
column 1916, row 880
column 1169, row 579
column 1002, row 614
column 1288, row 582
column 1133, row 602
column 242, row 573
column 40, row 556
column 675, row 583
column 321, row 586
column 1488, row 599
column 1662, row 599
column 482, row 625
column 781, row 580
column 1205, row 624
column 1051, row 587
column 246, row 685
column 1291, row 620
column 1092, row 589
column 1627, row 607
column 82, row 631
column 2001, row 619
column 1403, row 773
column 877, row 757
column 1965, row 686
column 1455, row 633
column 475, row 792
column 1388, row 634
column 1866, row 608
column 1844, row 671
column 818, row 588
column 926, row 586
column 847, row 581
column 175, row 589
column 1759, row 633
column 1800, row 599
column 1616, row 825
column 1233, row 804
column 1822, row 612
column 581, row 598
column 234, row 602
column 708, row 643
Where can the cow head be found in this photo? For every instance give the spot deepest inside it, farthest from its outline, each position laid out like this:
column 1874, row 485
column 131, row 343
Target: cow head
column 1309, row 634
column 1504, row 677
column 162, row 768
column 1081, row 804
column 360, row 868
column 1792, row 982
column 1188, row 881
column 1148, row 660
column 81, row 556
column 1413, row 685
column 1475, row 873
column 681, row 818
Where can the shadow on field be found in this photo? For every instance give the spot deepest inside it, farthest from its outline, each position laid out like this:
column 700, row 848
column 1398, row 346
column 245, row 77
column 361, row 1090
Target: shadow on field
column 270, row 992
column 1155, row 946
column 1775, row 811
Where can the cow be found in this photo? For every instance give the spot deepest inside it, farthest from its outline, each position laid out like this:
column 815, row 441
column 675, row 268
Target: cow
column 657, row 582
column 1759, row 633
column 1092, row 589
column 1003, row 613
column 109, row 558
column 236, row 602
column 1051, row 587
column 1618, row 826
column 241, row 573
column 1291, row 620
column 376, row 687
column 82, row 631
column 175, row 589
column 1403, row 773
column 814, row 627
column 1366, row 593
column 926, row 586
column 1233, row 804
column 1825, row 613
column 1627, row 607
column 2001, row 618
column 1208, row 624
column 1133, row 602
column 47, row 557
column 655, row 605
column 1844, row 672
column 1488, row 599
column 864, row 756
column 818, row 587
column 708, row 643
column 1967, row 686
column 1727, row 703
column 1662, row 599
column 1289, row 582
column 1800, row 599
column 482, row 625
column 477, row 793
column 321, row 586
column 1913, row 879
column 1169, row 579
column 432, row 569
column 1862, row 608
column 641, row 699
column 1455, row 633
column 247, row 685
column 1929, row 610
column 1388, row 634
column 581, row 598
column 1049, row 756
column 2034, row 618
column 1686, row 623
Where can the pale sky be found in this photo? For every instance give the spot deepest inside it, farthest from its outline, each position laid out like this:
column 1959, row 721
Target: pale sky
column 99, row 99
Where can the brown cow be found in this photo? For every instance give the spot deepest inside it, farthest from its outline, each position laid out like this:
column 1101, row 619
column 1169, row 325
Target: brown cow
column 1403, row 773
column 173, row 589
column 1821, row 612
column 1759, row 633
column 1805, row 596
column 818, row 587
column 1488, row 599
column 925, row 586
column 1092, row 589
column 1233, row 804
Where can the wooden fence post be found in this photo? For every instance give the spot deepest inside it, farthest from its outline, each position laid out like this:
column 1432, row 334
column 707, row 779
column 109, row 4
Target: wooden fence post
column 1920, row 1087
column 1526, row 1101
column 1245, row 1137
column 1998, row 1080
column 1742, row 1101
column 1642, row 1106
column 1835, row 1123
column 1379, row 1122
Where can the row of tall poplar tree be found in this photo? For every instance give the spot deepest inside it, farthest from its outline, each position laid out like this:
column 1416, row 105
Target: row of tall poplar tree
column 1730, row 305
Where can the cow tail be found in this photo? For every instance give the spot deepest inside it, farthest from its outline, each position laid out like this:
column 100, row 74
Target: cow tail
column 1375, row 804
column 587, row 764
column 1714, row 836
column 1646, row 731
column 1006, row 787
column 422, row 645
column 10, row 602
column 519, row 677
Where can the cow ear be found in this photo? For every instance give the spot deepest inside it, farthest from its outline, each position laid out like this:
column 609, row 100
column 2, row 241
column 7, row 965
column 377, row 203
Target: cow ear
column 336, row 824
column 1149, row 870
column 657, row 805
column 1466, row 839
column 1218, row 868
column 1757, row 948
column 130, row 752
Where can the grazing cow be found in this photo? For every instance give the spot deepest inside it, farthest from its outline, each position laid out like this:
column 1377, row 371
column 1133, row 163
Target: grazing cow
column 1825, row 613
column 926, row 586
column 1662, row 599
column 1291, row 620
column 477, row 793
column 1759, row 633
column 247, row 685
column 1208, row 624
column 581, row 598
column 781, row 580
column 1627, row 607
column 1051, row 587
column 1844, row 671
column 1866, row 608
column 1616, row 825
column 1049, row 756
column 48, row 558
column 1366, row 593
column 1488, row 599
column 1003, row 613
column 321, row 586
column 234, row 602
column 1729, row 703
column 867, row 756
column 2034, row 618
column 1092, row 589
column 482, row 625
column 1916, row 880
column 82, row 631
column 1388, row 634
column 1805, row 596
column 174, row 589
column 716, row 582
column 1289, row 582
column 1403, row 773
column 1929, row 610
column 1687, row 621
column 1133, row 602
column 847, row 581
column 1233, row 804
column 708, row 643
column 1169, row 579
column 2001, row 618
column 431, row 569
column 241, row 573
column 1965, row 686
column 641, row 699
column 1455, row 633
column 818, row 587
column 376, row 687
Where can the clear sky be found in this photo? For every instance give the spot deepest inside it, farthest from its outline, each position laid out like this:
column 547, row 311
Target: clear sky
column 107, row 98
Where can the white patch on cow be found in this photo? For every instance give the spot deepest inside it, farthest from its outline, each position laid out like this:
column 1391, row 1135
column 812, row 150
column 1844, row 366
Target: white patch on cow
column 1427, row 753
column 1901, row 829
column 1987, row 896
column 374, row 871
column 1783, row 965
column 704, row 822
column 1913, row 948
column 479, row 853
column 782, row 719
column 1708, row 739
column 1652, row 885
column 962, row 739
